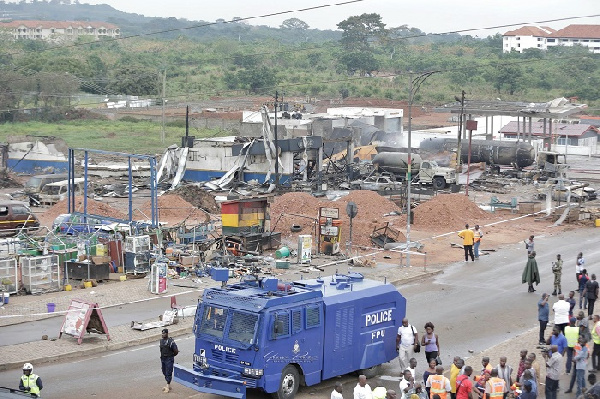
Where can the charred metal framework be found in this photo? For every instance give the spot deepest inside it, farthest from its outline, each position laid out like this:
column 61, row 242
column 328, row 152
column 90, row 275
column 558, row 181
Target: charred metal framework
column 71, row 193
column 559, row 108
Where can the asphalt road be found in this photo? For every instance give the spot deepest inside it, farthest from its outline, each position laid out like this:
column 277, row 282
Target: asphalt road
column 473, row 307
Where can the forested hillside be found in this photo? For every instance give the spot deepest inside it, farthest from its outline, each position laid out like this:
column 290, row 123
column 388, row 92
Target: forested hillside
column 364, row 58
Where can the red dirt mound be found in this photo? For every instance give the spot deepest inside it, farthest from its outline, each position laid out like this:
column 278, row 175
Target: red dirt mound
column 94, row 207
column 303, row 209
column 172, row 209
column 449, row 212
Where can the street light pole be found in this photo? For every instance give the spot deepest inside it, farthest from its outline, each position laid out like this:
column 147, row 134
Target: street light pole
column 276, row 142
column 460, row 130
column 414, row 86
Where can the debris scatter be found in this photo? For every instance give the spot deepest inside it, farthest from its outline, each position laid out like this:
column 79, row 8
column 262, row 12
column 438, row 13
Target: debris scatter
column 371, row 210
column 198, row 197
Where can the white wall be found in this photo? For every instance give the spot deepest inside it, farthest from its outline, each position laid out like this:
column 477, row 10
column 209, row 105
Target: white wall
column 592, row 44
column 519, row 43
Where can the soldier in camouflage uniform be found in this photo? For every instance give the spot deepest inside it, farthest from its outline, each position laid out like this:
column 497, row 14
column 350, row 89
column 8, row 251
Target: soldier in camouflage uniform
column 557, row 270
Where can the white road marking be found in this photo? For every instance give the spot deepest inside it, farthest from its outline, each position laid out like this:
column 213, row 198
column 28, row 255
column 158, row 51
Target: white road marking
column 114, row 353
column 142, row 348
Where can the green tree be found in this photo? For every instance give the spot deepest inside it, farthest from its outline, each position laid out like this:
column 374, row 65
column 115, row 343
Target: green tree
column 255, row 80
column 56, row 89
column 363, row 62
column 359, row 30
column 294, row 24
column 134, row 80
column 507, row 78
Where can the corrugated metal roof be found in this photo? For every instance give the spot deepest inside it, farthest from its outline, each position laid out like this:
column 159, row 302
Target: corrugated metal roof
column 558, row 108
column 537, row 129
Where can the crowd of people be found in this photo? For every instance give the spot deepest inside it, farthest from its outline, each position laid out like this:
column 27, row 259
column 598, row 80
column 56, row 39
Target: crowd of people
column 575, row 338
column 567, row 350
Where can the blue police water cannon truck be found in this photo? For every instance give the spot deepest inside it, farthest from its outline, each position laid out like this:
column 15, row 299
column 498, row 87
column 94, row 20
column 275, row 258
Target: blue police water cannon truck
column 274, row 336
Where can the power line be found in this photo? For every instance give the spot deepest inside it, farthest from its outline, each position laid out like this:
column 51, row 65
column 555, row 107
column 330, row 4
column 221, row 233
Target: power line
column 306, row 48
column 203, row 25
column 105, row 91
column 296, row 50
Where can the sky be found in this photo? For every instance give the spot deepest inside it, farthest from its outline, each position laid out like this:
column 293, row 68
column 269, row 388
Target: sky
column 431, row 16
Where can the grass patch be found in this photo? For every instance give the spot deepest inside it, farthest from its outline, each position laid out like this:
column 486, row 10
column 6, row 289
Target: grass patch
column 140, row 137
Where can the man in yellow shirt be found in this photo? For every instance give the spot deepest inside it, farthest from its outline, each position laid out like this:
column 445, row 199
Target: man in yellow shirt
column 468, row 238
column 455, row 368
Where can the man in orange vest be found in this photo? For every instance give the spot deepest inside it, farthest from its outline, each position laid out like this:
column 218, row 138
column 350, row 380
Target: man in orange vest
column 438, row 384
column 495, row 387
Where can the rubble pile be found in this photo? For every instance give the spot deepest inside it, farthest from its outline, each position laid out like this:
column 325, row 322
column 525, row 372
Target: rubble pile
column 8, row 181
column 198, row 197
column 93, row 207
column 371, row 210
column 172, row 210
column 449, row 212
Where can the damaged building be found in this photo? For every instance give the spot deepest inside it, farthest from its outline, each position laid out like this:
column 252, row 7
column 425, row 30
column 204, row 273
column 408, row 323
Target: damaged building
column 304, row 141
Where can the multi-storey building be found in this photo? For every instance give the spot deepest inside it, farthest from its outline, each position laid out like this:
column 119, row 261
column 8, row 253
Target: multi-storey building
column 544, row 37
column 59, row 30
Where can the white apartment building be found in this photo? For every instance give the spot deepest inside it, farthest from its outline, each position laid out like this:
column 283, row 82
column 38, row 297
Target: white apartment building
column 59, row 30
column 543, row 37
column 572, row 35
column 526, row 37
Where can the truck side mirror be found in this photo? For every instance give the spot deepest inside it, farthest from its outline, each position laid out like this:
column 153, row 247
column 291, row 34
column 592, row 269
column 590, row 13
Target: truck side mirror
column 278, row 327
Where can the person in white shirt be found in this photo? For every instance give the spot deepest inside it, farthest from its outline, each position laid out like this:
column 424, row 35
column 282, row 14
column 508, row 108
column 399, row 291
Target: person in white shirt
column 406, row 340
column 561, row 313
column 406, row 382
column 579, row 265
column 413, row 367
column 337, row 391
column 362, row 390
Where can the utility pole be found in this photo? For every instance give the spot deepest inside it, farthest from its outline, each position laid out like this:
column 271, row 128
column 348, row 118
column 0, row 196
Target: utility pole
column 460, row 130
column 164, row 88
column 471, row 125
column 187, row 124
column 276, row 142
column 414, row 86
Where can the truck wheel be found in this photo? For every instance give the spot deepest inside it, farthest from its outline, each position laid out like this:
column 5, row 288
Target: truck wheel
column 371, row 372
column 439, row 183
column 288, row 386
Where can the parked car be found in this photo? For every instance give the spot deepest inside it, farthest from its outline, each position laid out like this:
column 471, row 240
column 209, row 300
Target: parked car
column 15, row 215
column 33, row 187
column 36, row 183
column 377, row 183
column 74, row 224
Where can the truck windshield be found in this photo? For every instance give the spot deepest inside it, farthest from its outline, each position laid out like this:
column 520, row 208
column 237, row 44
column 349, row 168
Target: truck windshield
column 34, row 182
column 242, row 327
column 213, row 321
column 52, row 190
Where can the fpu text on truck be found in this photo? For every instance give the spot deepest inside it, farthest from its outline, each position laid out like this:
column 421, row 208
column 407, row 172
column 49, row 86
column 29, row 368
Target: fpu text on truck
column 273, row 336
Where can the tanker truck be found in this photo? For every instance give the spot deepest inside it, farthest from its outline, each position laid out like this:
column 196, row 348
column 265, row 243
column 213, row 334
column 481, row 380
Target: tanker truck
column 492, row 152
column 424, row 171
